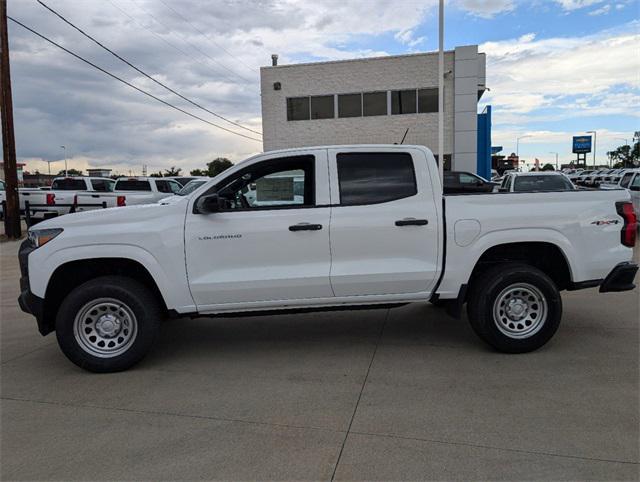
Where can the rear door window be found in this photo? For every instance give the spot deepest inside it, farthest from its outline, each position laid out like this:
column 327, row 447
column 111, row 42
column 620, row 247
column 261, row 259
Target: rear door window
column 372, row 178
column 69, row 185
column 133, row 185
column 102, row 185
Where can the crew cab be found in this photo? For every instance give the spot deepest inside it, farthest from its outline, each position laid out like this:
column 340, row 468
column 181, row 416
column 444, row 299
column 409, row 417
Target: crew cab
column 129, row 191
column 368, row 226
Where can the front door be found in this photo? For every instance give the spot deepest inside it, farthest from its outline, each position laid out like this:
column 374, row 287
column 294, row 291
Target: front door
column 384, row 227
column 269, row 242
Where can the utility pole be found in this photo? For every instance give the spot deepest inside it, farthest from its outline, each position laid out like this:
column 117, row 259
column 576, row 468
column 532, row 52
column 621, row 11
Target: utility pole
column 12, row 226
column 441, row 91
column 552, row 152
column 64, row 148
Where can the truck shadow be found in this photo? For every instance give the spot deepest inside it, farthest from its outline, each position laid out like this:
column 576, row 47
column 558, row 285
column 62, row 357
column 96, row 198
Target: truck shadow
column 415, row 324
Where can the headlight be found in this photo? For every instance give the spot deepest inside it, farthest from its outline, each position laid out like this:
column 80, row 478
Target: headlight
column 40, row 237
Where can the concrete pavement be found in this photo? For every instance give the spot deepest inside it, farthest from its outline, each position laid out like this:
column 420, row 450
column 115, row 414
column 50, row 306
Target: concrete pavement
column 402, row 394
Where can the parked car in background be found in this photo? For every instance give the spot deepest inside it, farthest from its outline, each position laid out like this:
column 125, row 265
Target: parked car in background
column 630, row 180
column 536, row 181
column 370, row 227
column 462, row 182
column 130, row 191
column 578, row 176
column 184, row 180
column 592, row 179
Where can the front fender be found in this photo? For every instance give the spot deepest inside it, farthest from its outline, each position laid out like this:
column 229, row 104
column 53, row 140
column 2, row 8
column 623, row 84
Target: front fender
column 169, row 275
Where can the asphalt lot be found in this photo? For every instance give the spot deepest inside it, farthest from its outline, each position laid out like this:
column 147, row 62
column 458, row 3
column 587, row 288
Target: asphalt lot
column 403, row 394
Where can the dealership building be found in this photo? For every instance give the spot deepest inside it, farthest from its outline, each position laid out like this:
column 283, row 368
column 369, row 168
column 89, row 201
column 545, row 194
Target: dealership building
column 381, row 101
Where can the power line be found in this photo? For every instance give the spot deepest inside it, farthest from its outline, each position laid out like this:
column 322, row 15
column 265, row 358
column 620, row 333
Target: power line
column 207, row 36
column 170, row 44
column 128, row 83
column 142, row 72
column 192, row 45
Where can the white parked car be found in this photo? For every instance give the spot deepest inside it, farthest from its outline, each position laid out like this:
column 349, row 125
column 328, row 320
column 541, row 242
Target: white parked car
column 631, row 180
column 536, row 181
column 369, row 227
column 129, row 191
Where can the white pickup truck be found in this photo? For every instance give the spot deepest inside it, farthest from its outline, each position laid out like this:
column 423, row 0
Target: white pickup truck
column 130, row 191
column 367, row 226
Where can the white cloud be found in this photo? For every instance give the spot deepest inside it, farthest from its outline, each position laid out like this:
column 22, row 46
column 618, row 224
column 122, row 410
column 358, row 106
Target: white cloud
column 408, row 38
column 58, row 100
column 532, row 74
column 570, row 5
column 601, row 11
column 486, row 8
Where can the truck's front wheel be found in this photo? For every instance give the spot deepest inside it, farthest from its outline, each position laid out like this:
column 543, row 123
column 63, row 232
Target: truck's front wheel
column 515, row 308
column 107, row 324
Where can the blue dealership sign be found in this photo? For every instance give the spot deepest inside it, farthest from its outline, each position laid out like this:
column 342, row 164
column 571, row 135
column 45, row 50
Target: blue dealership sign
column 581, row 144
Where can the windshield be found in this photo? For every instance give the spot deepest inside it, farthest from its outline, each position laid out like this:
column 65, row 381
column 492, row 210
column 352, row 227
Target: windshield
column 69, row 185
column 542, row 183
column 132, row 185
column 190, row 187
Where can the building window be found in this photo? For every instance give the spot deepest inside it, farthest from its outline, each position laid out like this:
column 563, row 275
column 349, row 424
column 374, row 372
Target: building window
column 298, row 108
column 322, row 107
column 374, row 103
column 427, row 100
column 403, row 101
column 375, row 177
column 349, row 105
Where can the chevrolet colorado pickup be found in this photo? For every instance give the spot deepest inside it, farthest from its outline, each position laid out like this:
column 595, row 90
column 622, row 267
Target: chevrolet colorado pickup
column 322, row 228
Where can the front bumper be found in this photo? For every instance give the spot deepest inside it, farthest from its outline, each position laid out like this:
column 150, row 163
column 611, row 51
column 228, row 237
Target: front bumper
column 30, row 303
column 620, row 278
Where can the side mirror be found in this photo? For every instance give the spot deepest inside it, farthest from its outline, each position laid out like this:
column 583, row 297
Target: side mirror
column 634, row 188
column 207, row 204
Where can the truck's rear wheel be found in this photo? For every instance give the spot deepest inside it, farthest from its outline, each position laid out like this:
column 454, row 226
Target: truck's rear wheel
column 515, row 308
column 108, row 324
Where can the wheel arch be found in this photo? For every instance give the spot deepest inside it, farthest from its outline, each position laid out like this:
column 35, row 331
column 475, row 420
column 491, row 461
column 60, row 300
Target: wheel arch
column 72, row 274
column 547, row 256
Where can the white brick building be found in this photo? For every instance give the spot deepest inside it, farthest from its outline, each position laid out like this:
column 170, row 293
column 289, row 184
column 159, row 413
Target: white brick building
column 374, row 100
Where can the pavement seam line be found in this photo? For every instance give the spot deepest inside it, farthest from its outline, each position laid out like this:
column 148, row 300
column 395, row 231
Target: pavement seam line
column 491, row 447
column 172, row 414
column 364, row 383
column 27, row 353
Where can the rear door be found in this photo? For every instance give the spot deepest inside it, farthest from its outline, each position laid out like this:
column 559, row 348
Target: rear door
column 384, row 225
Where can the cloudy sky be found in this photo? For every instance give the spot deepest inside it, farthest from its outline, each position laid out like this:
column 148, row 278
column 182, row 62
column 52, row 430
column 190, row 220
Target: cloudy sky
column 555, row 68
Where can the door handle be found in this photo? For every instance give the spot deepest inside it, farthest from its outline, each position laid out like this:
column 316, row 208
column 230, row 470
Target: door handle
column 305, row 227
column 412, row 222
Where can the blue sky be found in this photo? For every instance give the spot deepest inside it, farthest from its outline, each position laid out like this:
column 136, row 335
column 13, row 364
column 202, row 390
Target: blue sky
column 556, row 68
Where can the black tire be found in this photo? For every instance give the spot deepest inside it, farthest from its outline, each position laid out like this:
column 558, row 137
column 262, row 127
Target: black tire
column 128, row 303
column 495, row 320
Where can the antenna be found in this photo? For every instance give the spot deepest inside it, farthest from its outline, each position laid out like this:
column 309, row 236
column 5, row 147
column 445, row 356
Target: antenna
column 404, row 136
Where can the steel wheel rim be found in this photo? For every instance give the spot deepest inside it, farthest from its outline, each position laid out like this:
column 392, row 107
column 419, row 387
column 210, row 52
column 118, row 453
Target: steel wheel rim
column 105, row 327
column 520, row 310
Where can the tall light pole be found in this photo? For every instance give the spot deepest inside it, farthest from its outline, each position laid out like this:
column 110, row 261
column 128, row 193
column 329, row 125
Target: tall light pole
column 441, row 91
column 551, row 152
column 518, row 146
column 65, row 160
column 594, row 147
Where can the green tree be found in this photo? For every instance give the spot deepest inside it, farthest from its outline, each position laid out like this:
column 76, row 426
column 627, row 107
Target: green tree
column 198, row 172
column 218, row 165
column 626, row 155
column 71, row 172
column 172, row 171
column 548, row 167
column 156, row 174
